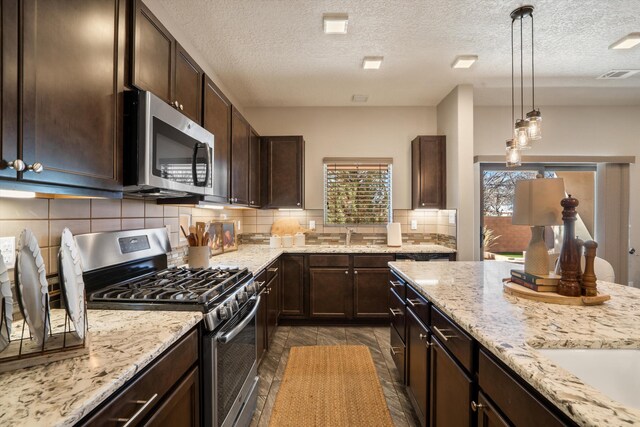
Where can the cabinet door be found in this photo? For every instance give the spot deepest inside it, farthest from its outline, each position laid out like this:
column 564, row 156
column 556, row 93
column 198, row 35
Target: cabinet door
column 272, row 309
column 370, row 292
column 216, row 118
column 488, row 416
column 239, row 159
column 8, row 87
column 417, row 370
column 292, row 286
column 254, row 169
column 283, row 172
column 330, row 292
column 153, row 55
column 188, row 85
column 450, row 390
column 73, row 82
column 182, row 407
column 428, row 172
column 261, row 324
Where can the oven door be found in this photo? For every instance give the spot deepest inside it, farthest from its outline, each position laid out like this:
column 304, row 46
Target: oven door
column 178, row 152
column 235, row 378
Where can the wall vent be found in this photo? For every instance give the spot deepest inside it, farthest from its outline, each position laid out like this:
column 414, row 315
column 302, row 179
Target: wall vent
column 617, row 74
column 360, row 98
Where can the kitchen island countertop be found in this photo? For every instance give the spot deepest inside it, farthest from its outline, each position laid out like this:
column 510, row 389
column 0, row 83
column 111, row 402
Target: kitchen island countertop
column 512, row 329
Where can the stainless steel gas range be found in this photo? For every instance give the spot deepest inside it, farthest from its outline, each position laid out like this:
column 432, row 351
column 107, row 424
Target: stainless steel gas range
column 128, row 270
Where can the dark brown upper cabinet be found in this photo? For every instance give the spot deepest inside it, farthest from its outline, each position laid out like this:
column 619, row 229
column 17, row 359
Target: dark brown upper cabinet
column 72, row 90
column 8, row 87
column 254, row 169
column 428, row 172
column 240, row 133
column 160, row 65
column 188, row 85
column 216, row 118
column 283, row 172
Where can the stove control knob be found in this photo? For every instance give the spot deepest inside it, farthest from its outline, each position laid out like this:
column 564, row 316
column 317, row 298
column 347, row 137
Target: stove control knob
column 234, row 306
column 223, row 313
column 242, row 296
column 250, row 288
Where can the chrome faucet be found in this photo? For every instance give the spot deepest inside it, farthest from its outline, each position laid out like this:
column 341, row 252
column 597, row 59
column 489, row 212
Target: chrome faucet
column 350, row 231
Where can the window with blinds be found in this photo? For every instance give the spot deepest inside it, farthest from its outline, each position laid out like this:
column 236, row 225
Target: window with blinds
column 357, row 191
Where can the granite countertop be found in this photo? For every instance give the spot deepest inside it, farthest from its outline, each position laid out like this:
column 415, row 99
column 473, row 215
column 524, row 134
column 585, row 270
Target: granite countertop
column 257, row 257
column 513, row 328
column 122, row 343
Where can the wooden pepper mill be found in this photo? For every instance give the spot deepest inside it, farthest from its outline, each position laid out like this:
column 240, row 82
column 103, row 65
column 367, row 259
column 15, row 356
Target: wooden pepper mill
column 569, row 257
column 580, row 245
column 589, row 277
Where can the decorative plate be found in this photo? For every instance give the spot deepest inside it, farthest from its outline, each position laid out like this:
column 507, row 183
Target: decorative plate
column 72, row 283
column 5, row 292
column 32, row 287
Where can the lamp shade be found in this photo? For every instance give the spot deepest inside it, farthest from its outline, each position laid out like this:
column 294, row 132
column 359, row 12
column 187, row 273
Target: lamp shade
column 537, row 202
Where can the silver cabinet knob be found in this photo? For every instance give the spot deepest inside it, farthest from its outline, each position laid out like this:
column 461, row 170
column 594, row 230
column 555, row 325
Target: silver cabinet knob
column 36, row 167
column 355, row 272
column 423, row 337
column 346, row 272
column 17, row 164
column 176, row 104
column 475, row 406
column 422, row 203
column 298, row 203
column 181, row 107
column 253, row 203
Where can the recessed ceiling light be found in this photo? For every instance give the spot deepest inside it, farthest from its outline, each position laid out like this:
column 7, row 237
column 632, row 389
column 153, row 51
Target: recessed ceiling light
column 464, row 61
column 372, row 62
column 627, row 42
column 360, row 98
column 335, row 23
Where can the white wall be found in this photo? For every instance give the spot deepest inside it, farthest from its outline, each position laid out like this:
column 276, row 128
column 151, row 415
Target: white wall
column 455, row 120
column 602, row 131
column 350, row 132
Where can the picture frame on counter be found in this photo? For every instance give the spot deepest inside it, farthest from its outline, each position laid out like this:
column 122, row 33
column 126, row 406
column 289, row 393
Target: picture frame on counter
column 229, row 238
column 216, row 242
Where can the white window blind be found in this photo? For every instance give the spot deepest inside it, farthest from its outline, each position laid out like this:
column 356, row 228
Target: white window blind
column 357, row 191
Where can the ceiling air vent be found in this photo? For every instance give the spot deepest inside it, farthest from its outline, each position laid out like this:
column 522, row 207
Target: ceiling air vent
column 618, row 74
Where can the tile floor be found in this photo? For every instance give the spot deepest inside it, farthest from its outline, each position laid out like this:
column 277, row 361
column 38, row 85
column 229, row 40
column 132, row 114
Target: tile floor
column 376, row 338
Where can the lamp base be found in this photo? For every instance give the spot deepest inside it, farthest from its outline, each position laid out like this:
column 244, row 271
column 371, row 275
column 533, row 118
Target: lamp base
column 536, row 260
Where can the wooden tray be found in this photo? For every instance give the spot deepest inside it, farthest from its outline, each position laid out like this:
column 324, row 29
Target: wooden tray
column 552, row 297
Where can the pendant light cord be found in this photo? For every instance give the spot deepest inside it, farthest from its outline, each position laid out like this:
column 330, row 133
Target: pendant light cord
column 513, row 116
column 533, row 71
column 521, row 74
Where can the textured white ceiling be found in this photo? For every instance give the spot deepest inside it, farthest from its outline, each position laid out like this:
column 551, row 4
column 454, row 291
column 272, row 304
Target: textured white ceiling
column 274, row 53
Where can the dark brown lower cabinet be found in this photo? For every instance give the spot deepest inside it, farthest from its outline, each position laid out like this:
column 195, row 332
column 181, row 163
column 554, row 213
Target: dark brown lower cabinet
column 451, row 390
column 261, row 326
column 330, row 292
column 488, row 416
column 272, row 307
column 370, row 292
column 292, row 286
column 418, row 366
column 182, row 407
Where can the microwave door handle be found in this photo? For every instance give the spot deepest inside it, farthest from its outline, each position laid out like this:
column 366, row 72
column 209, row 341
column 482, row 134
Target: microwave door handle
column 235, row 331
column 194, row 164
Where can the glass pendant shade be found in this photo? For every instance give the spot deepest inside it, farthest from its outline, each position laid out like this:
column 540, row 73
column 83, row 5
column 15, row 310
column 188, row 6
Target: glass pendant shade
column 513, row 154
column 534, row 130
column 521, row 135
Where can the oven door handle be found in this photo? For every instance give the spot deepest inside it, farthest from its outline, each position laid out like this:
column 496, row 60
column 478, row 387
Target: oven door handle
column 235, row 331
column 194, row 165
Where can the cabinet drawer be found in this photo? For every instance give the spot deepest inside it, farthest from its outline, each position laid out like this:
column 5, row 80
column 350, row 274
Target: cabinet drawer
column 150, row 387
column 372, row 261
column 418, row 304
column 272, row 270
column 521, row 407
column 398, row 285
column 397, row 314
column 398, row 351
column 453, row 338
column 328, row 260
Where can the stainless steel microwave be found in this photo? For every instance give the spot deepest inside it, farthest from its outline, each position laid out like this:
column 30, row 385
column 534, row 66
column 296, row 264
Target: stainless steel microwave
column 165, row 153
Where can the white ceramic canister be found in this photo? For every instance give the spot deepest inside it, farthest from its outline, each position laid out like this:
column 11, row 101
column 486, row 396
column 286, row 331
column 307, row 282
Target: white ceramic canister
column 300, row 239
column 287, row 241
column 199, row 256
column 275, row 241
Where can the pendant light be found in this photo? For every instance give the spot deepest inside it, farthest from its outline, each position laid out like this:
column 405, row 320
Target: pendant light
column 513, row 154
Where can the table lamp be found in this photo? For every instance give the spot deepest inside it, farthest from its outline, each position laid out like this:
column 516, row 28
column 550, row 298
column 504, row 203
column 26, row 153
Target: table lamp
column 537, row 204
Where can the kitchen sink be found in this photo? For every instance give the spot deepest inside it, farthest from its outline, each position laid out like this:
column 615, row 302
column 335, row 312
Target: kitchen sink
column 615, row 372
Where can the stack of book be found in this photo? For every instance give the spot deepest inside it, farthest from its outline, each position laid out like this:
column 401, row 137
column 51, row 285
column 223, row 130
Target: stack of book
column 547, row 283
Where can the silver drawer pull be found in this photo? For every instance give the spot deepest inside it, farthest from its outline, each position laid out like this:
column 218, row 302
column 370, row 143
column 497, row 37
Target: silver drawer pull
column 145, row 404
column 395, row 312
column 395, row 284
column 415, row 302
column 476, row 406
column 396, row 351
column 273, row 270
column 441, row 333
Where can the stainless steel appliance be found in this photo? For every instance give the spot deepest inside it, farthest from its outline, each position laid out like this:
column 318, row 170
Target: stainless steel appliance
column 128, row 270
column 166, row 153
